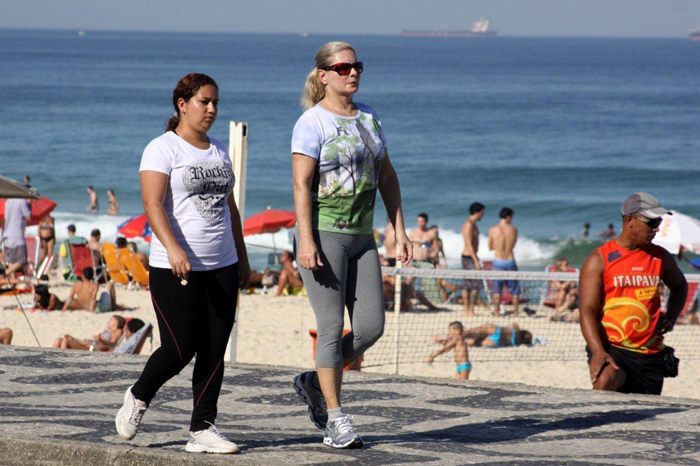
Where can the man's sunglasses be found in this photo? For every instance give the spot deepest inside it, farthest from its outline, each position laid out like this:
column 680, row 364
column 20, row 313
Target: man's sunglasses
column 652, row 223
column 343, row 69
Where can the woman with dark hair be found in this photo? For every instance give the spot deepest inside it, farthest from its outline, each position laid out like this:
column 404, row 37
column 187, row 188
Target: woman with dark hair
column 45, row 300
column 339, row 160
column 198, row 261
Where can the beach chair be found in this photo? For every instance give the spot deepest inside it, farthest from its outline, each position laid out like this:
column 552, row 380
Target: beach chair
column 273, row 262
column 44, row 267
column 81, row 257
column 429, row 286
column 117, row 273
column 66, row 258
column 548, row 296
column 33, row 253
column 134, row 267
column 134, row 344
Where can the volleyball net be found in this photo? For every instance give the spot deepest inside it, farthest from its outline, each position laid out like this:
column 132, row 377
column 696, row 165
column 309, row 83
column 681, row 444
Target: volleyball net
column 421, row 303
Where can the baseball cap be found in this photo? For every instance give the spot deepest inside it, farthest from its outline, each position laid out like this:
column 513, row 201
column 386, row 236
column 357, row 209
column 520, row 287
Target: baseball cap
column 71, row 228
column 645, row 204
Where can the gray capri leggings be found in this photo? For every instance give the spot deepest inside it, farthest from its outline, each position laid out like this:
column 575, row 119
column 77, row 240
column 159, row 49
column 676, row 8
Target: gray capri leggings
column 350, row 276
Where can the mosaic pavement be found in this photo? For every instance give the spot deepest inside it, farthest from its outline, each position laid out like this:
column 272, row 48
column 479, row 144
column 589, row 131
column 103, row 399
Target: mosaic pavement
column 58, row 408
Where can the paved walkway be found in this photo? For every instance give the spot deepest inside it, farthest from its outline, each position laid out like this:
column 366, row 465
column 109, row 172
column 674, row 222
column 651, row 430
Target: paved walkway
column 58, row 408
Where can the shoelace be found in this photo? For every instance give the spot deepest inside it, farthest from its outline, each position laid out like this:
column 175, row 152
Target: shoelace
column 212, row 428
column 136, row 415
column 345, row 424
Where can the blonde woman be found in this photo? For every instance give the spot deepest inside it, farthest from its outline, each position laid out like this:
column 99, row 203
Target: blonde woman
column 339, row 160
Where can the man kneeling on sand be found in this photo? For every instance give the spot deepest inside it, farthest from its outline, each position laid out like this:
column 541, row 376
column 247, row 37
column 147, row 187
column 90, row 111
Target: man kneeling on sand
column 84, row 295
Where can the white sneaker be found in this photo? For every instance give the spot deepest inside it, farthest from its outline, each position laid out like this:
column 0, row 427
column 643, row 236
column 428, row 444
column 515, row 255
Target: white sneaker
column 210, row 441
column 129, row 416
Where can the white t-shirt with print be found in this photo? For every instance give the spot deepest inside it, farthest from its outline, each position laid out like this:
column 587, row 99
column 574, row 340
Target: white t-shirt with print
column 350, row 152
column 196, row 200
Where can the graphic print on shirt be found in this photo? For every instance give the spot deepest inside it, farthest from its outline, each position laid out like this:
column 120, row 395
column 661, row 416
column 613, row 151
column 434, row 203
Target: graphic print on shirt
column 349, row 174
column 632, row 282
column 208, row 184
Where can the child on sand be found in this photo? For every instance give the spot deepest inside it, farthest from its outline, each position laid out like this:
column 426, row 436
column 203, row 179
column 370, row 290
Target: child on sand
column 455, row 341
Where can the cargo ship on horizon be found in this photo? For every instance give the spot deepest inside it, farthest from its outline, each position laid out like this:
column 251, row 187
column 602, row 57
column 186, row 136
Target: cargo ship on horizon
column 694, row 34
column 480, row 29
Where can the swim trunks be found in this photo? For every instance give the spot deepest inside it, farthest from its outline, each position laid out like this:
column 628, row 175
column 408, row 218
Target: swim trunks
column 391, row 261
column 467, row 366
column 513, row 285
column 470, row 284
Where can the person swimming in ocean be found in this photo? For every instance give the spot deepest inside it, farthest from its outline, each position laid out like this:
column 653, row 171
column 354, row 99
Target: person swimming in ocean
column 455, row 341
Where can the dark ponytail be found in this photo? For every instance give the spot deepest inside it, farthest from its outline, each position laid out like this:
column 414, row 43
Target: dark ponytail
column 185, row 89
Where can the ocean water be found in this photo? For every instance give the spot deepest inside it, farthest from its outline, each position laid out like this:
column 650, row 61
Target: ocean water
column 560, row 130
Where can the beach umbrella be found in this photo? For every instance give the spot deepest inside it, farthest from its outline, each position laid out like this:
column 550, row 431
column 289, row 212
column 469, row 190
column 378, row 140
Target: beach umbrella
column 40, row 208
column 678, row 231
column 12, row 189
column 269, row 221
column 136, row 227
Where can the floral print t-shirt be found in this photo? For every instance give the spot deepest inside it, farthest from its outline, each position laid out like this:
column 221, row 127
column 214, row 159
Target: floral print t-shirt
column 349, row 153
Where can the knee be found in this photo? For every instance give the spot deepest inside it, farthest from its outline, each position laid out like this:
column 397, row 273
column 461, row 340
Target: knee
column 605, row 382
column 368, row 335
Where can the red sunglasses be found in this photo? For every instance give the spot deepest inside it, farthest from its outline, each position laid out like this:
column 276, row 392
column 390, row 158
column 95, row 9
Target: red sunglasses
column 343, row 69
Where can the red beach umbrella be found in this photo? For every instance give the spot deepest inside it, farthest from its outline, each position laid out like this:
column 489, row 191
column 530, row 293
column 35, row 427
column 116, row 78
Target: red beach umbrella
column 40, row 208
column 269, row 221
column 136, row 227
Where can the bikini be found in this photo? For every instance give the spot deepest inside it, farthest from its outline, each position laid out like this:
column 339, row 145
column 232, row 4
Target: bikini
column 495, row 337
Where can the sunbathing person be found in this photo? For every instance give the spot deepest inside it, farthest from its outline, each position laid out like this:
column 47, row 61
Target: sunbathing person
column 5, row 336
column 408, row 292
column 289, row 276
column 455, row 341
column 493, row 336
column 83, row 295
column 105, row 341
column 46, row 301
column 131, row 338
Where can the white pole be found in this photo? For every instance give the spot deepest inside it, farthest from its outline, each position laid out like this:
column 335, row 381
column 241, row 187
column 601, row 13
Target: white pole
column 397, row 316
column 238, row 151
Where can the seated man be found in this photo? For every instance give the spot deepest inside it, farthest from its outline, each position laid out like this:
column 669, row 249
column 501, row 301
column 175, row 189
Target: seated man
column 289, row 276
column 5, row 336
column 408, row 292
column 83, row 295
column 105, row 341
column 565, row 292
column 131, row 337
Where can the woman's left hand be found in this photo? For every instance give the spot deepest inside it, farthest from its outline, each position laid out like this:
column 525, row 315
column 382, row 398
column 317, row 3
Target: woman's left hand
column 243, row 274
column 405, row 252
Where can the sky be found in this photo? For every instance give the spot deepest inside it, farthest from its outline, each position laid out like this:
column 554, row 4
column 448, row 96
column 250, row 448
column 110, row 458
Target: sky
column 558, row 18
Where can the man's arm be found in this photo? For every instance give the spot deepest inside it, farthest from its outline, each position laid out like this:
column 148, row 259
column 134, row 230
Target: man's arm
column 93, row 299
column 67, row 304
column 592, row 292
column 674, row 279
column 491, row 245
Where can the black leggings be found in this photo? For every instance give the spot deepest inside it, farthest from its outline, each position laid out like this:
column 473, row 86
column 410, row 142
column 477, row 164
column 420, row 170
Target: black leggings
column 192, row 319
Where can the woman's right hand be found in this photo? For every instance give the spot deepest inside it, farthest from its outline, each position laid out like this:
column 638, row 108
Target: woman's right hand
column 308, row 255
column 179, row 263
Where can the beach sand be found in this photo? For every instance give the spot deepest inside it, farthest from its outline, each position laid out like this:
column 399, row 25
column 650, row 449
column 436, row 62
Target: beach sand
column 276, row 331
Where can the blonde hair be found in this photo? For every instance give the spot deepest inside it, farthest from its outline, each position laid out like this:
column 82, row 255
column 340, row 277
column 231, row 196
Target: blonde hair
column 314, row 90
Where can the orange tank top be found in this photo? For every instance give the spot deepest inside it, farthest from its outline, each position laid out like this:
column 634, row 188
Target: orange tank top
column 632, row 282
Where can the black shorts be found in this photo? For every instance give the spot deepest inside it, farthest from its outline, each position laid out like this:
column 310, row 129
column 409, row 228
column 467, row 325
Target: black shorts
column 645, row 372
column 391, row 261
